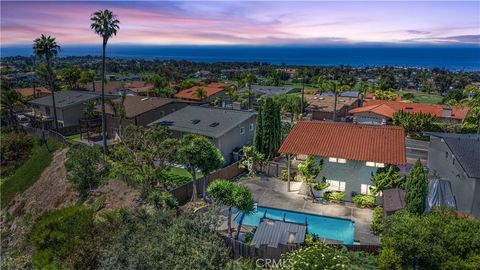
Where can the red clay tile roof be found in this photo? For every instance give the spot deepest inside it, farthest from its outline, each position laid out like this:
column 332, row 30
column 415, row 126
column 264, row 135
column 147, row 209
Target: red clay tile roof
column 28, row 92
column 384, row 144
column 380, row 109
column 385, row 108
column 210, row 89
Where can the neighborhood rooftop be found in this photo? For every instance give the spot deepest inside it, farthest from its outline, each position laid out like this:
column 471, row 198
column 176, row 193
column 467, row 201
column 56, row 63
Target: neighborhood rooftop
column 270, row 91
column 388, row 108
column 384, row 144
column 326, row 103
column 210, row 90
column 465, row 148
column 136, row 105
column 64, row 99
column 208, row 121
column 273, row 233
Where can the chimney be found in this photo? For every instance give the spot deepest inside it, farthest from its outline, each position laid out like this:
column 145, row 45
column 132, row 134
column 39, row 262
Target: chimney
column 447, row 111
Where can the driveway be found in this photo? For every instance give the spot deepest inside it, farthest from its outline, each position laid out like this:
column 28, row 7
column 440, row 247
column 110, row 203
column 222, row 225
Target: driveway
column 272, row 192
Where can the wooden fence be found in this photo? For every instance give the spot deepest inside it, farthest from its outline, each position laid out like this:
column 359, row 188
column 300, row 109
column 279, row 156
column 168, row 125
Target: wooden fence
column 184, row 193
column 240, row 249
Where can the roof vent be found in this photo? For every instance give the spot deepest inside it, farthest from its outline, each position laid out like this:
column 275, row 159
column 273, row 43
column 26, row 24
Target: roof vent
column 341, row 100
column 408, row 108
column 195, row 121
column 143, row 99
column 214, row 124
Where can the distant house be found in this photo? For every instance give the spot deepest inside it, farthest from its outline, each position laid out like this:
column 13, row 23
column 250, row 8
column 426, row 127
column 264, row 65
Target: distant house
column 69, row 104
column 33, row 92
column 351, row 153
column 229, row 129
column 269, row 91
column 380, row 112
column 140, row 111
column 322, row 107
column 139, row 88
column 456, row 158
column 212, row 91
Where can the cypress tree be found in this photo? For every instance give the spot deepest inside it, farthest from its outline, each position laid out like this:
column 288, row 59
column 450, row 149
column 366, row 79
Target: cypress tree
column 416, row 188
column 268, row 133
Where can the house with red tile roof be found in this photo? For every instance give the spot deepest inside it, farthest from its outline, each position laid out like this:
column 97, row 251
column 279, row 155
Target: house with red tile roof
column 380, row 112
column 212, row 91
column 350, row 152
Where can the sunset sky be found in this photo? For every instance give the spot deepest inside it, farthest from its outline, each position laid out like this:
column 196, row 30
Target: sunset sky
column 251, row 22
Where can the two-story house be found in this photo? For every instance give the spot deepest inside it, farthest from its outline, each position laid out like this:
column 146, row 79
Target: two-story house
column 70, row 108
column 456, row 158
column 140, row 111
column 228, row 129
column 351, row 153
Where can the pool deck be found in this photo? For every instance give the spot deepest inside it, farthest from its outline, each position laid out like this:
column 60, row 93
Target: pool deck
column 272, row 192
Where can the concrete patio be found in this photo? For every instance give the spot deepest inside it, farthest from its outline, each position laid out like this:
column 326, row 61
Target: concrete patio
column 272, row 192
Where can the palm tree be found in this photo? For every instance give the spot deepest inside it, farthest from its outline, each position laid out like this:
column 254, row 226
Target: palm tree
column 46, row 47
column 118, row 108
column 249, row 79
column 88, row 76
column 200, row 93
column 334, row 87
column 105, row 24
column 302, row 74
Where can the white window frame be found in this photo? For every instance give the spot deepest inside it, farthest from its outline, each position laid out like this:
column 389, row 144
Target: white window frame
column 337, row 160
column 251, row 127
column 336, row 185
column 375, row 164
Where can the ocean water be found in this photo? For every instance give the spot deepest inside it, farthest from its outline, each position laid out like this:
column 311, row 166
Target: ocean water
column 442, row 56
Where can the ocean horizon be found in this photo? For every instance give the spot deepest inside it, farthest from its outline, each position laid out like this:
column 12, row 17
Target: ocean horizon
column 465, row 58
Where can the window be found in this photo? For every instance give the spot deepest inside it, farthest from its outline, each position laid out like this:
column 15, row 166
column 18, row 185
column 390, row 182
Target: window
column 446, row 154
column 242, row 130
column 336, row 185
column 366, row 189
column 251, row 127
column 337, row 160
column 374, row 164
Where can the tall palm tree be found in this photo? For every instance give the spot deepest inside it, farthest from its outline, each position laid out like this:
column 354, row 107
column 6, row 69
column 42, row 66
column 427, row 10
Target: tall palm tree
column 105, row 24
column 249, row 79
column 45, row 47
column 200, row 93
column 334, row 87
column 302, row 74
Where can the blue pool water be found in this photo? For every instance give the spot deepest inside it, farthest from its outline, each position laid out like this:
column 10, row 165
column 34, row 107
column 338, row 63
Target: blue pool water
column 325, row 227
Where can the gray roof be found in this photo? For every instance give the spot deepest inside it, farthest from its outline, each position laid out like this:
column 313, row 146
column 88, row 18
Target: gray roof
column 274, row 232
column 64, row 99
column 270, row 91
column 208, row 121
column 465, row 148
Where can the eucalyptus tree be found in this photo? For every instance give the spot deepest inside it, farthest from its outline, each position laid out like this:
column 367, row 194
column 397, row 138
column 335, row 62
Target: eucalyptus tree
column 105, row 24
column 45, row 47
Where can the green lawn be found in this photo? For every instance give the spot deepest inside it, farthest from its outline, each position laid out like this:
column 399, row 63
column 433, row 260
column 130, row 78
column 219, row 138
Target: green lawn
column 183, row 172
column 421, row 97
column 29, row 172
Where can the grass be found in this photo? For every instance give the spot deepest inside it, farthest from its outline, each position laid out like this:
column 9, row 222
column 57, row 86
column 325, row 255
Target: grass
column 182, row 172
column 28, row 173
column 420, row 97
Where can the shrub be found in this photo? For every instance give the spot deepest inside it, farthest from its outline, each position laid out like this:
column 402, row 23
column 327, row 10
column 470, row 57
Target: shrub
column 336, row 196
column 284, row 175
column 56, row 233
column 410, row 96
column 161, row 199
column 311, row 239
column 249, row 237
column 377, row 220
column 364, row 201
column 15, row 148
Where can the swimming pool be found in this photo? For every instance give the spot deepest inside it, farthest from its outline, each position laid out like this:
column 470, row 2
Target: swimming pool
column 325, row 227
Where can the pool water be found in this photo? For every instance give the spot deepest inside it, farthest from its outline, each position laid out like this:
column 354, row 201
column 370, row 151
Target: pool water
column 325, row 227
